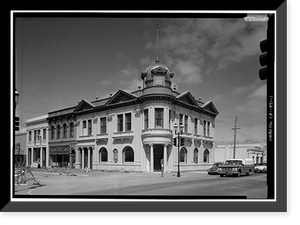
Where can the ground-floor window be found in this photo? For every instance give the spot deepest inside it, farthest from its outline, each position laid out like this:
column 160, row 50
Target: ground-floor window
column 59, row 160
column 103, row 155
column 128, row 154
column 183, row 154
column 206, row 156
column 195, row 155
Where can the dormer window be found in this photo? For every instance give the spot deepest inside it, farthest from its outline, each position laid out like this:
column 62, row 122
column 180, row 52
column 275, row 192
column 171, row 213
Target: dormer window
column 159, row 80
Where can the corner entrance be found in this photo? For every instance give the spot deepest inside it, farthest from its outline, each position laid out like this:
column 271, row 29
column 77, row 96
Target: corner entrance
column 158, row 152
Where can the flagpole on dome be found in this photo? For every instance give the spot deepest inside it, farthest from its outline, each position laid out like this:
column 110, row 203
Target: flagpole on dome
column 157, row 61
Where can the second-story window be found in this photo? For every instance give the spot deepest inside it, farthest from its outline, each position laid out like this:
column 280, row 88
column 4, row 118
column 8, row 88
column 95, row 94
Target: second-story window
column 58, row 132
column 204, row 128
column 159, row 116
column 186, row 119
column 103, row 125
column 146, row 119
column 65, row 131
column 208, row 129
column 89, row 127
column 44, row 134
column 120, row 123
column 127, row 121
column 180, row 119
column 29, row 136
column 71, row 130
column 84, row 131
column 196, row 126
column 52, row 132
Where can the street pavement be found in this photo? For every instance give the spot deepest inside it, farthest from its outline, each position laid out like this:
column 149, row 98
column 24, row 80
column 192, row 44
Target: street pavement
column 100, row 183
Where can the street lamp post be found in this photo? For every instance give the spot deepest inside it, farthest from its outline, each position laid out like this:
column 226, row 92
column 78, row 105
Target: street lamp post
column 178, row 131
column 16, row 98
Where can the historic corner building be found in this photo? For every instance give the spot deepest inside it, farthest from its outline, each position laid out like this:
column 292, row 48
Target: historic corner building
column 134, row 131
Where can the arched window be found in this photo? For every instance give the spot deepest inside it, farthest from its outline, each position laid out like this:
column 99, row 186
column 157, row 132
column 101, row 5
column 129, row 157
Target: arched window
column 71, row 129
column 52, row 132
column 195, row 155
column 103, row 155
column 183, row 153
column 65, row 131
column 206, row 156
column 58, row 132
column 128, row 154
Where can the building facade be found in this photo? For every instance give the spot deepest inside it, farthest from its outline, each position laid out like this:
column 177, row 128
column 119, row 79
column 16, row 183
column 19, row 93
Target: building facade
column 134, row 131
column 37, row 143
column 62, row 138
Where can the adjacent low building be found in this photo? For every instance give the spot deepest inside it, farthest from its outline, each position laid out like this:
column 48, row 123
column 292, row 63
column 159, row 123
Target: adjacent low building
column 37, row 143
column 255, row 151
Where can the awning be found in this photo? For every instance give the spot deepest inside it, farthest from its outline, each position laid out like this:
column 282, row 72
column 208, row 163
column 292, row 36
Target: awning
column 59, row 150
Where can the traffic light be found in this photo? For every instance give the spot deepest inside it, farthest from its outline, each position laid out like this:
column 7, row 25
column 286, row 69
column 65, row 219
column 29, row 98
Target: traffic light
column 182, row 141
column 267, row 47
column 174, row 141
column 263, row 60
column 17, row 123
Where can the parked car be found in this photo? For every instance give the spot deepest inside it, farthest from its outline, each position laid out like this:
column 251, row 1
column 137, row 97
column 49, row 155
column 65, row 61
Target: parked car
column 236, row 167
column 260, row 168
column 214, row 169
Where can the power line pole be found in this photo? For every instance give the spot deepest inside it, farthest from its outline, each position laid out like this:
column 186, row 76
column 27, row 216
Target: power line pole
column 234, row 140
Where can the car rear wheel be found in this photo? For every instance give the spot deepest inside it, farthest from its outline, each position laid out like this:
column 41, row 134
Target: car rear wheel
column 221, row 175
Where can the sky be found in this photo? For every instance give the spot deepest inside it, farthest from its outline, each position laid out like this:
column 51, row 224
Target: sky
column 60, row 61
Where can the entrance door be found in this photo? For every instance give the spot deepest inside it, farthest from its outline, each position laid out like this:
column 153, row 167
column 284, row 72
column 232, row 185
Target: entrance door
column 158, row 151
column 85, row 158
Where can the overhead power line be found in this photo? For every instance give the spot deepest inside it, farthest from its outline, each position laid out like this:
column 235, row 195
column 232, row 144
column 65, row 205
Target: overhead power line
column 43, row 97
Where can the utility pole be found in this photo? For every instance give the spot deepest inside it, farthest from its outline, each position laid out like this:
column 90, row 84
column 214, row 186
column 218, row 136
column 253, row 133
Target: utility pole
column 234, row 139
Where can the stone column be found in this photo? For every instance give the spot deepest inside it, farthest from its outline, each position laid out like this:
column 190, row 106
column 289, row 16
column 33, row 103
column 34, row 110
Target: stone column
column 151, row 158
column 82, row 158
column 165, row 157
column 77, row 161
column 41, row 157
column 89, row 158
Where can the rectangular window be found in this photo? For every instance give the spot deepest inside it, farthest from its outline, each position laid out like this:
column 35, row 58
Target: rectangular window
column 103, row 125
column 44, row 134
column 180, row 119
column 146, row 119
column 89, row 127
column 65, row 131
column 170, row 119
column 34, row 137
column 29, row 138
column 204, row 128
column 127, row 121
column 208, row 129
column 196, row 126
column 71, row 130
column 159, row 115
column 186, row 119
column 120, row 123
column 84, row 130
column 52, row 132
column 58, row 132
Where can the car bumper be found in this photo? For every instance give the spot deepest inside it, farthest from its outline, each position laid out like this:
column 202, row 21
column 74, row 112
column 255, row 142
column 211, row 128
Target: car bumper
column 228, row 172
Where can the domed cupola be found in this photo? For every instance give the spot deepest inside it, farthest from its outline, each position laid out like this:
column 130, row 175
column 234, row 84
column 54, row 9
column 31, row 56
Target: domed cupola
column 157, row 74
